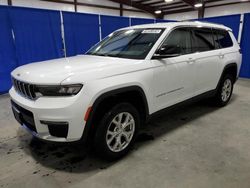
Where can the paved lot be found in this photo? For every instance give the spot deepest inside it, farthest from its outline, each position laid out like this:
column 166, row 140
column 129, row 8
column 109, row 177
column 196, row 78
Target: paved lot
column 195, row 146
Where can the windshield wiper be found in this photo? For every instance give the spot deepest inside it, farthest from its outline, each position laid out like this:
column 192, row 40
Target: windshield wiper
column 105, row 55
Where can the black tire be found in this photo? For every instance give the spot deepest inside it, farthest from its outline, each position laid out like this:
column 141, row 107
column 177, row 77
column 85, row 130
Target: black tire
column 218, row 99
column 101, row 146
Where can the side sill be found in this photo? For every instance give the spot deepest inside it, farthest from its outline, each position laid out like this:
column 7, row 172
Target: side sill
column 183, row 103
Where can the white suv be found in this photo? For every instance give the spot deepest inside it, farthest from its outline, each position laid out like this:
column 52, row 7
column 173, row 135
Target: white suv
column 107, row 94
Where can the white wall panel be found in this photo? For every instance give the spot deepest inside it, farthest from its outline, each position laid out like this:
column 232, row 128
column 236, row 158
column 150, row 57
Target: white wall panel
column 85, row 9
column 212, row 12
column 3, row 2
column 227, row 10
column 43, row 4
column 137, row 14
column 129, row 7
column 182, row 16
column 94, row 10
column 209, row 12
column 100, row 2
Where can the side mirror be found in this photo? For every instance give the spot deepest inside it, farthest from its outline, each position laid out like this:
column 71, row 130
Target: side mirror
column 167, row 52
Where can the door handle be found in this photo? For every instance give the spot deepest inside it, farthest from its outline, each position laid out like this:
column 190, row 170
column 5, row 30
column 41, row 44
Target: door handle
column 190, row 60
column 221, row 56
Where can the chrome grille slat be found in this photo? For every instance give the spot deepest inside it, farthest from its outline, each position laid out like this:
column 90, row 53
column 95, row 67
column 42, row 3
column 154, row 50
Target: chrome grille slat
column 15, row 84
column 29, row 91
column 19, row 87
column 32, row 91
column 25, row 89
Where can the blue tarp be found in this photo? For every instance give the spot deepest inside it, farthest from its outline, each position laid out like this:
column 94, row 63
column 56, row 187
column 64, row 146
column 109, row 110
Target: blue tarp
column 81, row 31
column 245, row 46
column 37, row 34
column 7, row 51
column 232, row 21
column 139, row 21
column 112, row 23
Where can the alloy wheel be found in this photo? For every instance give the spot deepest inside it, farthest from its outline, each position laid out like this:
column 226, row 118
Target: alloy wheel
column 226, row 90
column 120, row 132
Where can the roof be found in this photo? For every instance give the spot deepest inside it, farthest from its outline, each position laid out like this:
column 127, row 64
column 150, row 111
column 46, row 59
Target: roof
column 185, row 23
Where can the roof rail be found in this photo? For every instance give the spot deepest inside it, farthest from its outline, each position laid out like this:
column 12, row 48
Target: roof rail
column 201, row 22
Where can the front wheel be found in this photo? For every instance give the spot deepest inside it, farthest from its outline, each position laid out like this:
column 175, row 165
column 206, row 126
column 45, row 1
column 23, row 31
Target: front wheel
column 117, row 131
column 225, row 91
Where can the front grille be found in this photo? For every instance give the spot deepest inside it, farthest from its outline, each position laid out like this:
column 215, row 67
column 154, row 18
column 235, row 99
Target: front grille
column 25, row 89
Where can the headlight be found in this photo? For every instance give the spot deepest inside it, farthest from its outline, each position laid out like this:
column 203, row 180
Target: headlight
column 60, row 90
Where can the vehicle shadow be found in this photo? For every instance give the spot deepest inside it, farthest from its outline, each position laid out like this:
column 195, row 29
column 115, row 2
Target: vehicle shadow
column 77, row 159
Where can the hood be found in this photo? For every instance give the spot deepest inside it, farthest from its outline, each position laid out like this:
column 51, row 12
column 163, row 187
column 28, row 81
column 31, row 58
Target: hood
column 88, row 66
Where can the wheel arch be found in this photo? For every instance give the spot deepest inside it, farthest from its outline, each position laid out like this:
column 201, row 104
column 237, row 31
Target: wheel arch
column 110, row 97
column 231, row 68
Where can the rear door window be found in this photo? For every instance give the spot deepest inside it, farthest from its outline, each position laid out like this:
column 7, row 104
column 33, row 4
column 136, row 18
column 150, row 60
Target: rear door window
column 202, row 40
column 216, row 41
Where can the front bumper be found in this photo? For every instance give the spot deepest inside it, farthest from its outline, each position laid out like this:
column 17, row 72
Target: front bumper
column 59, row 119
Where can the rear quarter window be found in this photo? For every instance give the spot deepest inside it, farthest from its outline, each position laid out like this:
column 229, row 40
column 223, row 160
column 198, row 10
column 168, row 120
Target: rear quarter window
column 223, row 39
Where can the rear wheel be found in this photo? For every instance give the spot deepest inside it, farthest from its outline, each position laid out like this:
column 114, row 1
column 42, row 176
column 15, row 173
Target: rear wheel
column 225, row 90
column 117, row 131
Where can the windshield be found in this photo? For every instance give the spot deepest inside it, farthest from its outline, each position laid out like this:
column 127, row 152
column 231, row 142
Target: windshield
column 132, row 43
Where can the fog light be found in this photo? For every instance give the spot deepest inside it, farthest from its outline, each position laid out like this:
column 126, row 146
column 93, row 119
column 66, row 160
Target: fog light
column 57, row 129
